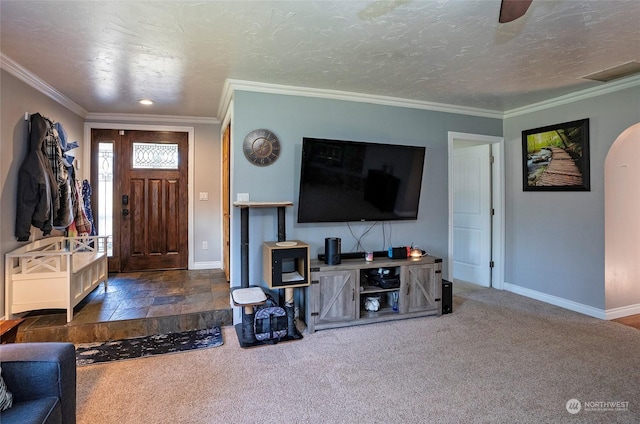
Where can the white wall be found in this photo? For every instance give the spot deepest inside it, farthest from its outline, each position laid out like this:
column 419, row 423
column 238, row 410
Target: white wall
column 207, row 164
column 554, row 243
column 555, row 240
column 293, row 117
column 18, row 98
column 622, row 226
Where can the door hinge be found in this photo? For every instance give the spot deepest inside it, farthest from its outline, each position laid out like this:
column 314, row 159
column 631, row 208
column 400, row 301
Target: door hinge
column 492, row 159
column 491, row 264
column 493, row 211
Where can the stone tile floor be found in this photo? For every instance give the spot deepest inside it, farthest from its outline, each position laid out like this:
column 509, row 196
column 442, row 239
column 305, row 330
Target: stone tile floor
column 136, row 304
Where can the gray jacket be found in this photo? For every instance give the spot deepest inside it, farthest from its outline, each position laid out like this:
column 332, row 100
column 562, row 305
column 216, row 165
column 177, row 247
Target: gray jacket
column 37, row 189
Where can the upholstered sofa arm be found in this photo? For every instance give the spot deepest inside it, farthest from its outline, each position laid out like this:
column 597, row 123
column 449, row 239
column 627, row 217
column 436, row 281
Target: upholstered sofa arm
column 34, row 371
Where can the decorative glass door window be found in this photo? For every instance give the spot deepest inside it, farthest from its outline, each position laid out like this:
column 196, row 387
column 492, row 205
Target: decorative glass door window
column 155, row 156
column 105, row 193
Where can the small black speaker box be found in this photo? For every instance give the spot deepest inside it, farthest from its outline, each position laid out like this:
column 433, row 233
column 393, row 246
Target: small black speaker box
column 332, row 248
column 447, row 297
column 398, row 252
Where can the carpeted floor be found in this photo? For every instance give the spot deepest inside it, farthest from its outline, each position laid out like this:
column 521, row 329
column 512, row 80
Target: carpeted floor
column 499, row 358
column 138, row 347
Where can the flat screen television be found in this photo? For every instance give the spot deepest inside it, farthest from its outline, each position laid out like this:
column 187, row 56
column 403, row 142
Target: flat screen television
column 348, row 181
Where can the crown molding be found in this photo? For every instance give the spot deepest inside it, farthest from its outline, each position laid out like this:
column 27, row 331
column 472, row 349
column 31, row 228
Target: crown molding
column 260, row 87
column 31, row 79
column 605, row 88
column 225, row 98
column 129, row 117
column 231, row 85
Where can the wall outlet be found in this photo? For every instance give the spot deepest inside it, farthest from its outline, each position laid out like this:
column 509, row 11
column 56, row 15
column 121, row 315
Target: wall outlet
column 205, row 245
column 243, row 197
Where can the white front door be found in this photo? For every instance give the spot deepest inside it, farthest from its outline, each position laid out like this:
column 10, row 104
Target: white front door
column 472, row 214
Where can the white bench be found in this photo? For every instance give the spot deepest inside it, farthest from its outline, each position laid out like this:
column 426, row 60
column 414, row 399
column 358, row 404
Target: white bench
column 54, row 273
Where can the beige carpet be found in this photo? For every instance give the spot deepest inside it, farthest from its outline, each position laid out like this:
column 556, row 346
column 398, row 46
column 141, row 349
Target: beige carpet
column 499, row 358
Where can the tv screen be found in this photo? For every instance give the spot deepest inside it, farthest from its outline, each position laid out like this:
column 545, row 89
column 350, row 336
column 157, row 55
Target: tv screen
column 346, row 181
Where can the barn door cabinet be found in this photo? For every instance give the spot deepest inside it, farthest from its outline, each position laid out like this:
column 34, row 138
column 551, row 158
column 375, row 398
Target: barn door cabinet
column 338, row 294
column 420, row 291
column 331, row 298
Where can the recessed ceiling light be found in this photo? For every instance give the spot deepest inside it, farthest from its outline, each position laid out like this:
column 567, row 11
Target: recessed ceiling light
column 145, row 102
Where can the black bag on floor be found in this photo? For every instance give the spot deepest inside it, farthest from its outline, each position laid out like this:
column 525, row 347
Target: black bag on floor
column 270, row 321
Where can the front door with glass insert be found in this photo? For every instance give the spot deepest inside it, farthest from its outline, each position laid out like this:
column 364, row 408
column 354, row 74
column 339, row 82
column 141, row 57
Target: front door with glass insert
column 142, row 197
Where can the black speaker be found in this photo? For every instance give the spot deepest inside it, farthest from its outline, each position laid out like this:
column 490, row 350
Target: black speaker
column 398, row 252
column 332, row 248
column 447, row 297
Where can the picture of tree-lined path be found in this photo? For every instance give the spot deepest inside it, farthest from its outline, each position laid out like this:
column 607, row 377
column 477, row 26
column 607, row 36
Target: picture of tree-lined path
column 557, row 157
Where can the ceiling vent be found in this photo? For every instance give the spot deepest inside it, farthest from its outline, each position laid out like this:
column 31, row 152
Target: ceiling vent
column 624, row 70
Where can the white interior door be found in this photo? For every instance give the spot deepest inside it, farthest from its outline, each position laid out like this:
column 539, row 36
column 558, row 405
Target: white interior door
column 472, row 214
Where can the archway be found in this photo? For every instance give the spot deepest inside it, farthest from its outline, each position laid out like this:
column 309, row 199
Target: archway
column 622, row 225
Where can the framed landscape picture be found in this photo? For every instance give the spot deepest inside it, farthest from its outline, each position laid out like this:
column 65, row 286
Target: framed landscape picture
column 556, row 157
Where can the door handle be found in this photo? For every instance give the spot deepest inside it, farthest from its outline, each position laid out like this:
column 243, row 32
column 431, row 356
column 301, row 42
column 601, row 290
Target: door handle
column 125, row 212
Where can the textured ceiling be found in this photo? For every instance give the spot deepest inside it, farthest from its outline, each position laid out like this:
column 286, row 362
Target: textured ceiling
column 105, row 55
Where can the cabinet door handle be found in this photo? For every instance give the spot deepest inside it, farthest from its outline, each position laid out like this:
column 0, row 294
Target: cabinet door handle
column 353, row 295
column 408, row 288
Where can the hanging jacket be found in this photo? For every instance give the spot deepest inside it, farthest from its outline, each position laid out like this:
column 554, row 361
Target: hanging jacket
column 65, row 145
column 80, row 219
column 37, row 189
column 86, row 198
column 63, row 211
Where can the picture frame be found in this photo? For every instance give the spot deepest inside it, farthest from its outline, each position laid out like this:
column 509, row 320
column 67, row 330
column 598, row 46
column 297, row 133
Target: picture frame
column 556, row 157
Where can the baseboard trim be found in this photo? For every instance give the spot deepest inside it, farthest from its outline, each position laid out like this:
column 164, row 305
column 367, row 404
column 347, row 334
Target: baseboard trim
column 623, row 311
column 557, row 301
column 207, row 265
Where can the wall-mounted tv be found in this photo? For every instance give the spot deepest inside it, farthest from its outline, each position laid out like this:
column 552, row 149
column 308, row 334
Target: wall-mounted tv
column 347, row 181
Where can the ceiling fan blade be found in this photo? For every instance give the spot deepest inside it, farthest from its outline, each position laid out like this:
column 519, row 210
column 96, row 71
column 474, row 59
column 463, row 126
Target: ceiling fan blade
column 510, row 10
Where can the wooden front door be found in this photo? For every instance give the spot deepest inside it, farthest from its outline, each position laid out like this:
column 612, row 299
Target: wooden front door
column 147, row 229
column 153, row 200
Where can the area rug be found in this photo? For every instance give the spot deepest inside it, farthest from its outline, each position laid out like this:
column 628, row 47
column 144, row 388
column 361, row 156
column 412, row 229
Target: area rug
column 138, row 347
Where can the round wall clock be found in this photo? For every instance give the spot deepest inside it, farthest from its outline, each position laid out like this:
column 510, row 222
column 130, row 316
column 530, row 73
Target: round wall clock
column 261, row 147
